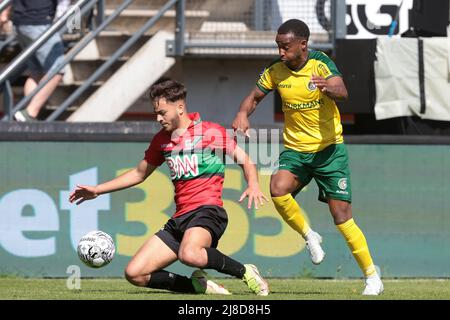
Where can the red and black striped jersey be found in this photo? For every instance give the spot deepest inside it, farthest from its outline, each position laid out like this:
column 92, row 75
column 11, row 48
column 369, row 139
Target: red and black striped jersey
column 196, row 162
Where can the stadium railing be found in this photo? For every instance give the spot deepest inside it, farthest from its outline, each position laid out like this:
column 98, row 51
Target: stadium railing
column 84, row 6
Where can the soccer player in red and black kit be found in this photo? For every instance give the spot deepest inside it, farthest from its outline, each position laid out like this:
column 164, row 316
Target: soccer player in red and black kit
column 191, row 148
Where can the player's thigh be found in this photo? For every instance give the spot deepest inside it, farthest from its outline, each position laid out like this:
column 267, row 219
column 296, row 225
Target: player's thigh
column 152, row 256
column 292, row 175
column 192, row 246
column 196, row 237
column 284, row 182
column 206, row 227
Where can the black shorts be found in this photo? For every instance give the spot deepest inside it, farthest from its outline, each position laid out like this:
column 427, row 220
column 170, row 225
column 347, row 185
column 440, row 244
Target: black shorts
column 212, row 218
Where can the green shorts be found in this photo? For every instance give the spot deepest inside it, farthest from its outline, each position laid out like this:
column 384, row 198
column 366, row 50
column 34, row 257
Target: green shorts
column 328, row 167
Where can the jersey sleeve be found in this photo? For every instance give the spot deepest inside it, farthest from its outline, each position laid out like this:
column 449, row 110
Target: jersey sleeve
column 265, row 82
column 153, row 154
column 326, row 67
column 328, row 70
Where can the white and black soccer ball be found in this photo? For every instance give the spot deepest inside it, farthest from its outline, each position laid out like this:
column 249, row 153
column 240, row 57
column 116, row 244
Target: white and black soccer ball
column 96, row 249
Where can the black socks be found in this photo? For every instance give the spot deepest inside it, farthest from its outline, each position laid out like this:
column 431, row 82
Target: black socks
column 170, row 281
column 224, row 264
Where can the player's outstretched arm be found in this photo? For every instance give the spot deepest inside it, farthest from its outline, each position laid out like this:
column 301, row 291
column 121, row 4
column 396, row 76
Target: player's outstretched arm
column 248, row 105
column 253, row 192
column 126, row 180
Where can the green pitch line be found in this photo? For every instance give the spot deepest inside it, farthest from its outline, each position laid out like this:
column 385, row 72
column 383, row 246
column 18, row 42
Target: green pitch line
column 286, row 289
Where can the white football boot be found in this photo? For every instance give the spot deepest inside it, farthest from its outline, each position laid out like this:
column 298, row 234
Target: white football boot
column 254, row 281
column 313, row 241
column 374, row 286
column 203, row 285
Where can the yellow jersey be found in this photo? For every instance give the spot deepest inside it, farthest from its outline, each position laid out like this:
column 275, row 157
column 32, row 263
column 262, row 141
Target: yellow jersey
column 312, row 121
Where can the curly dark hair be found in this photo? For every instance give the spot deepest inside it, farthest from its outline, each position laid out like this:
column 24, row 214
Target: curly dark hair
column 169, row 89
column 297, row 27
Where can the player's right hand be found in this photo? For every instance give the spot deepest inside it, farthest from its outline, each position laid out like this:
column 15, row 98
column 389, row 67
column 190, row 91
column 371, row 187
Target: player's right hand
column 241, row 124
column 82, row 193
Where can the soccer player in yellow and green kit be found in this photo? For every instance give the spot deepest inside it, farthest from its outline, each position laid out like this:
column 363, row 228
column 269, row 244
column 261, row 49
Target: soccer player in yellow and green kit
column 309, row 84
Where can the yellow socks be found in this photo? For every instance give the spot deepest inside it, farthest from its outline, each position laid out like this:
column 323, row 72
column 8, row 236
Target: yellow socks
column 290, row 211
column 358, row 245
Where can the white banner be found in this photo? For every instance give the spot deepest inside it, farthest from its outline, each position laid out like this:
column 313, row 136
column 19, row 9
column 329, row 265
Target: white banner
column 397, row 78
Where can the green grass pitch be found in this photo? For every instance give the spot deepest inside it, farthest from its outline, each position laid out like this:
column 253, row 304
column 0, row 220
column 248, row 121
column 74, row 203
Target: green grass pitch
column 285, row 289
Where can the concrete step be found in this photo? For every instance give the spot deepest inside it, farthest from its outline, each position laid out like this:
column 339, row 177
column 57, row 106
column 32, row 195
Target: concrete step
column 229, row 8
column 262, row 42
column 107, row 43
column 139, row 4
column 225, row 35
column 132, row 20
column 235, row 33
column 80, row 70
column 64, row 91
column 155, row 4
column 97, row 52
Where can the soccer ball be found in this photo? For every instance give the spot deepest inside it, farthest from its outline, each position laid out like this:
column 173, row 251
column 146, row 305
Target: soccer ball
column 96, row 249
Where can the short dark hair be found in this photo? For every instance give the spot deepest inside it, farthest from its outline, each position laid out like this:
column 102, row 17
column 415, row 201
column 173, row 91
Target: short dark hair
column 297, row 27
column 169, row 89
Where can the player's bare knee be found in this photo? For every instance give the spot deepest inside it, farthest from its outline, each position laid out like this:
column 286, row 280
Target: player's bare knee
column 341, row 214
column 278, row 188
column 133, row 276
column 340, row 220
column 129, row 274
column 190, row 257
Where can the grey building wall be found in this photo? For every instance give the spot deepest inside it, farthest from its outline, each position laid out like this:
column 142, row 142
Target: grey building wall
column 216, row 87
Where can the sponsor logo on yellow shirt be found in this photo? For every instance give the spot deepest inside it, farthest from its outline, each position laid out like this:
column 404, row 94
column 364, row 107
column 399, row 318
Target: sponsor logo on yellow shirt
column 305, row 105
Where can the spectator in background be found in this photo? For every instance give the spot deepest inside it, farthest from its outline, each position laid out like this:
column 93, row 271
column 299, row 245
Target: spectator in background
column 5, row 23
column 31, row 18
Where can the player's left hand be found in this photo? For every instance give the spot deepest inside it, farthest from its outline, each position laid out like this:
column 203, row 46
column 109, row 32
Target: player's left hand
column 320, row 82
column 254, row 195
column 82, row 193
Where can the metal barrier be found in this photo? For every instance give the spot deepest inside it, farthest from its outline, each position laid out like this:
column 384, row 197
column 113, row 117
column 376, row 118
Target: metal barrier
column 4, row 5
column 86, row 5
